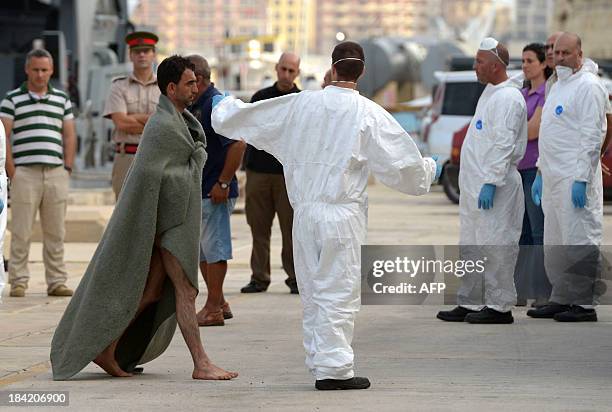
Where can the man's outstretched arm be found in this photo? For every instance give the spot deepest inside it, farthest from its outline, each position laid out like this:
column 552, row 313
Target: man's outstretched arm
column 264, row 124
column 394, row 158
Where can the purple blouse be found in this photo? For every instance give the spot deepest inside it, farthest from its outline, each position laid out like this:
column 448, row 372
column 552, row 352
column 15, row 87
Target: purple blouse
column 533, row 100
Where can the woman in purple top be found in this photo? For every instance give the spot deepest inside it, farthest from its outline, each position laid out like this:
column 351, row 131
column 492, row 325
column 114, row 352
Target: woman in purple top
column 530, row 277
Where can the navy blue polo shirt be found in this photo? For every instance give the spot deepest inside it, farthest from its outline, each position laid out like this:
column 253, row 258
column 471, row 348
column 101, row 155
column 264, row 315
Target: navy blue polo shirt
column 216, row 145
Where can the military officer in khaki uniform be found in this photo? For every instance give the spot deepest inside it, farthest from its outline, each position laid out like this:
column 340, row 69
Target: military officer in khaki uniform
column 131, row 101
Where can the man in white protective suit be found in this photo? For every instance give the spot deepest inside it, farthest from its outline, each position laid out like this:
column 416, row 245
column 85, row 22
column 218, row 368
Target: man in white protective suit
column 328, row 141
column 569, row 183
column 491, row 202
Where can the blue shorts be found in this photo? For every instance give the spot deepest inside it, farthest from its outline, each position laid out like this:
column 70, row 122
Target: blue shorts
column 215, row 235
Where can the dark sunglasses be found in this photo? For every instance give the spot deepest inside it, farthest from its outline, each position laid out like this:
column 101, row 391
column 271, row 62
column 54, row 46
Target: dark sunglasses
column 549, row 46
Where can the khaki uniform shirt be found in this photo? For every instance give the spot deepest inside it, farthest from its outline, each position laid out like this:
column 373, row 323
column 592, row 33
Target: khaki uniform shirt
column 129, row 95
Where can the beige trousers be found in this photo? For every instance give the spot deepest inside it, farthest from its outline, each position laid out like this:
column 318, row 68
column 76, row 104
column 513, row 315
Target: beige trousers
column 42, row 189
column 121, row 165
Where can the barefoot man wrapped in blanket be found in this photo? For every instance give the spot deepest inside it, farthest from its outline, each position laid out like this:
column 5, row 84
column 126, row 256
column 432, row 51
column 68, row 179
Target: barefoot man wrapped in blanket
column 143, row 276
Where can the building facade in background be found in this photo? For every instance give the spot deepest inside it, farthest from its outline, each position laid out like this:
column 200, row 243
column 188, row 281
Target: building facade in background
column 532, row 21
column 293, row 24
column 316, row 26
column 591, row 19
column 186, row 26
column 337, row 20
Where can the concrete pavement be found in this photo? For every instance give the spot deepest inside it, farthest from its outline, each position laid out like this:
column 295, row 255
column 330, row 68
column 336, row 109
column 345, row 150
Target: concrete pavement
column 415, row 361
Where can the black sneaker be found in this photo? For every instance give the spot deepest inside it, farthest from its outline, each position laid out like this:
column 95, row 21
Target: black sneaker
column 338, row 384
column 577, row 314
column 490, row 316
column 539, row 302
column 292, row 286
column 456, row 315
column 548, row 311
column 253, row 287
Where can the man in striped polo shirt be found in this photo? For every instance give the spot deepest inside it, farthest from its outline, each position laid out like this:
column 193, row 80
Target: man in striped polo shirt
column 40, row 151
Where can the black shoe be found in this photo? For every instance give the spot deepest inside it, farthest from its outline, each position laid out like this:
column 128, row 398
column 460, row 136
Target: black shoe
column 253, row 287
column 292, row 286
column 547, row 312
column 577, row 314
column 456, row 315
column 336, row 384
column 490, row 316
column 539, row 302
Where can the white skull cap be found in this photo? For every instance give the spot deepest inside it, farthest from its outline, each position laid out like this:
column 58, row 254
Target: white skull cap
column 488, row 43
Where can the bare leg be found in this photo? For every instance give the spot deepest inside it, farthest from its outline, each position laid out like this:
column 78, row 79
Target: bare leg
column 218, row 269
column 203, row 266
column 186, row 317
column 152, row 293
column 214, row 276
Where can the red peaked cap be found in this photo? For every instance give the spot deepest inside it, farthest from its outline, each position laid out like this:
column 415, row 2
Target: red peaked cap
column 141, row 39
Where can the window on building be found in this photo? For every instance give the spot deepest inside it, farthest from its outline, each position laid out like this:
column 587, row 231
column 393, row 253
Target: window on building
column 540, row 20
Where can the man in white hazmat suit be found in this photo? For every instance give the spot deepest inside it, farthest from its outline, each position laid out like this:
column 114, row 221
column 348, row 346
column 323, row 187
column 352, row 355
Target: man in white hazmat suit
column 491, row 202
column 328, row 141
column 569, row 183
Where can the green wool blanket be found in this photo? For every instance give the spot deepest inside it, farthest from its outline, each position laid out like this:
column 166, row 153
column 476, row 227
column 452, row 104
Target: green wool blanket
column 161, row 197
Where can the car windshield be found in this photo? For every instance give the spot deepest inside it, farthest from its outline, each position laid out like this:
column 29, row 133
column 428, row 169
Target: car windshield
column 460, row 99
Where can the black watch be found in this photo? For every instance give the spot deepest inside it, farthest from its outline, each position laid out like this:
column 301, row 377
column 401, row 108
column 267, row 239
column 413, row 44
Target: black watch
column 223, row 185
column 68, row 169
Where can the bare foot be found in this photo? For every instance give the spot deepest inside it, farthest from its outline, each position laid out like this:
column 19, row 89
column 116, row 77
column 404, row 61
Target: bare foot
column 212, row 372
column 206, row 318
column 106, row 360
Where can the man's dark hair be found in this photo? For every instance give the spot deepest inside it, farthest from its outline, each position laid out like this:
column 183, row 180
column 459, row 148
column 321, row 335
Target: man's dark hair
column 170, row 71
column 348, row 70
column 540, row 51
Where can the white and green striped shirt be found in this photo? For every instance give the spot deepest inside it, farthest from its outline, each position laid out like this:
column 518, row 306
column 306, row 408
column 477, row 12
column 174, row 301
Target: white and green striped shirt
column 37, row 125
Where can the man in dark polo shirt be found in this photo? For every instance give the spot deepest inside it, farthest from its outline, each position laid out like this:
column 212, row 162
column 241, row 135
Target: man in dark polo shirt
column 219, row 193
column 266, row 194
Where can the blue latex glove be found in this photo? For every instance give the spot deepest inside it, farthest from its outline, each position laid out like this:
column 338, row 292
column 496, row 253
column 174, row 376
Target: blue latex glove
column 217, row 98
column 438, row 167
column 579, row 194
column 485, row 199
column 536, row 190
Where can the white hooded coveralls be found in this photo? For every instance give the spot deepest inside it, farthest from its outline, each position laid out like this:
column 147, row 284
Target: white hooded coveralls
column 572, row 130
column 328, row 141
column 494, row 145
